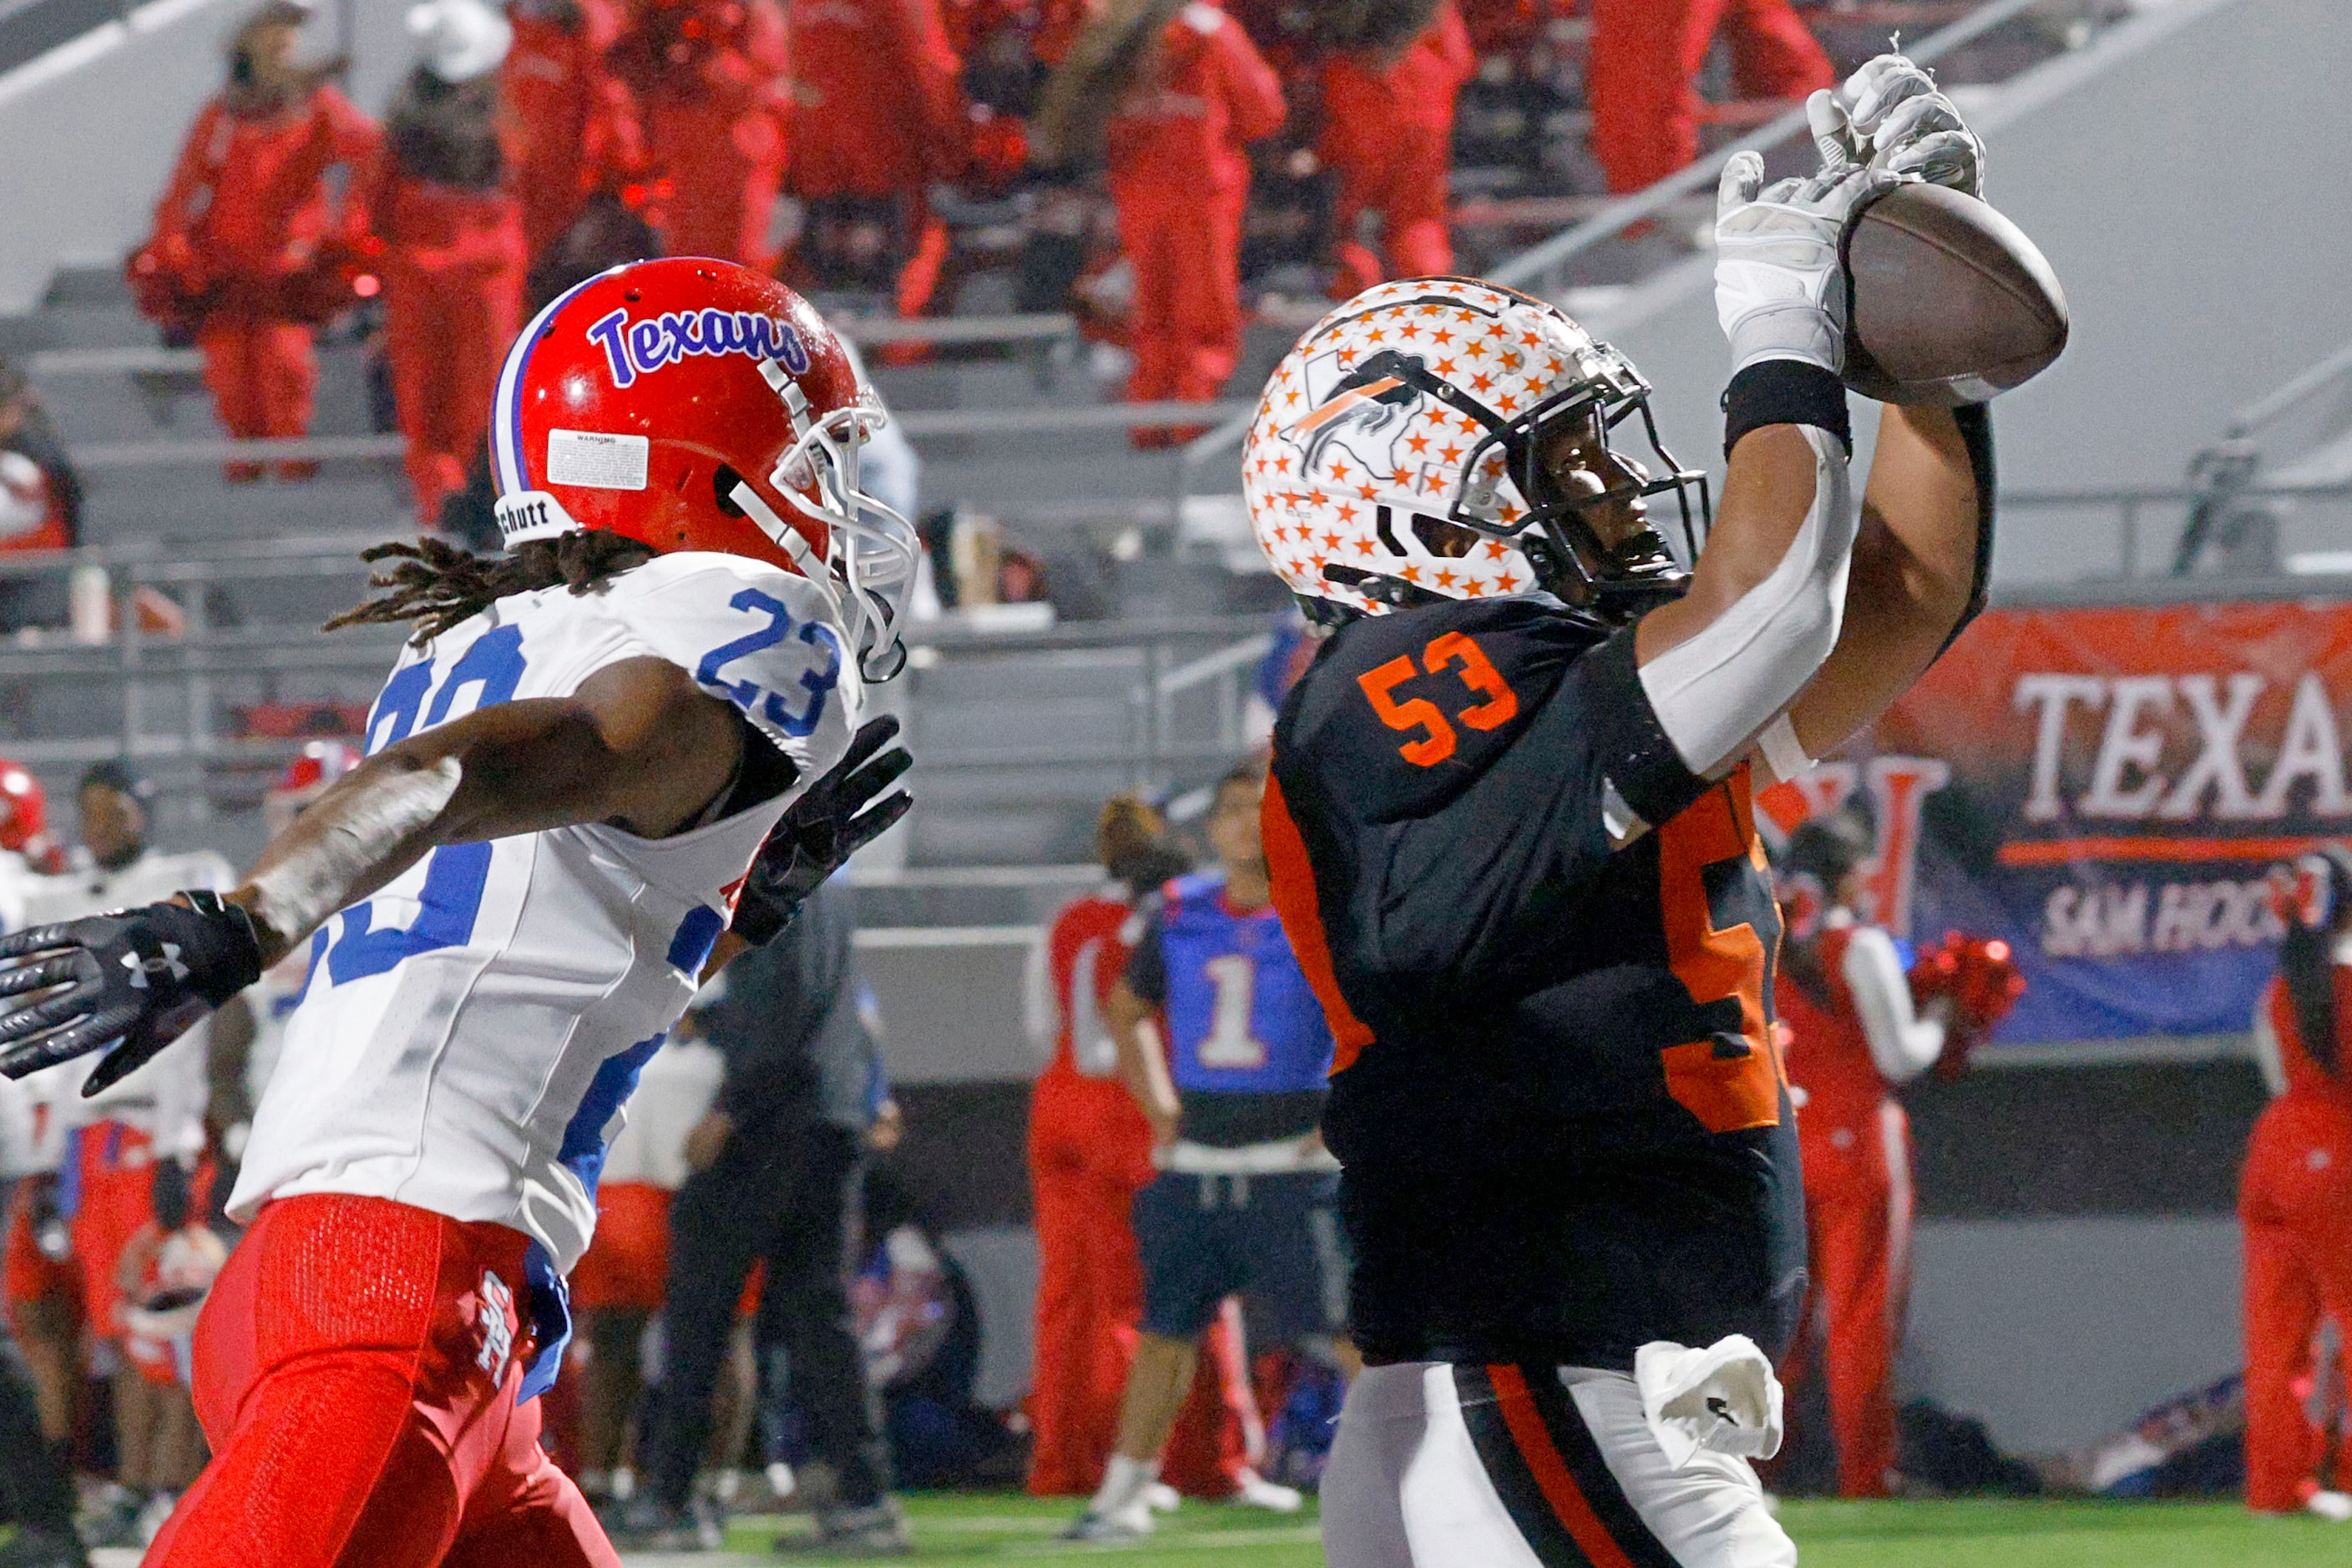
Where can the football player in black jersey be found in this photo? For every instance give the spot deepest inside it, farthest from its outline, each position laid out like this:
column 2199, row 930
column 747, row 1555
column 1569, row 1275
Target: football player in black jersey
column 1510, row 834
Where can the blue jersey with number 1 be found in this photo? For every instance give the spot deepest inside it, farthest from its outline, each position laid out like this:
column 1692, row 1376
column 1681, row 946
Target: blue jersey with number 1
column 1241, row 1017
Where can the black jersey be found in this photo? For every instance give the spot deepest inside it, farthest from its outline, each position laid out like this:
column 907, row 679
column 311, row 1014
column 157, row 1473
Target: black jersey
column 1562, row 1114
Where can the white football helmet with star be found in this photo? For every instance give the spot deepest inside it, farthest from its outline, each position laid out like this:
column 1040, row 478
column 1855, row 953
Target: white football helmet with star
column 1429, row 405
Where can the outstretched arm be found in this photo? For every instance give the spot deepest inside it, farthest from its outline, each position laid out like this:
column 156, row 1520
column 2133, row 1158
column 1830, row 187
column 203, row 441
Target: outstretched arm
column 1914, row 579
column 638, row 745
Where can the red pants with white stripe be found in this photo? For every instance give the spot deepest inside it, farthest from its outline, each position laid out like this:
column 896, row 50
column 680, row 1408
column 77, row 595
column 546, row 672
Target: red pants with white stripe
column 1644, row 57
column 356, row 1370
column 2295, row 1201
column 1089, row 1149
column 1858, row 1222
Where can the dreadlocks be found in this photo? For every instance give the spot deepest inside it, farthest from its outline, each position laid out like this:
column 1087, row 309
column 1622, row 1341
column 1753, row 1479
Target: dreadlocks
column 436, row 585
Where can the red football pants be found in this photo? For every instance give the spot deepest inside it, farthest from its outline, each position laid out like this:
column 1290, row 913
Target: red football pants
column 1644, row 56
column 261, row 375
column 2295, row 1201
column 1858, row 1222
column 115, row 1174
column 1185, row 329
column 1402, row 178
column 725, row 169
column 1084, row 1173
column 356, row 1370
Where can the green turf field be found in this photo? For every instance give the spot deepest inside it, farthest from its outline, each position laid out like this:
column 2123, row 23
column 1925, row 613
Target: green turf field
column 1004, row 1531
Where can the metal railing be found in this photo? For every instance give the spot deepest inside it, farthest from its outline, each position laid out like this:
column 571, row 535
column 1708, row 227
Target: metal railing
column 866, row 331
column 160, row 699
column 918, row 424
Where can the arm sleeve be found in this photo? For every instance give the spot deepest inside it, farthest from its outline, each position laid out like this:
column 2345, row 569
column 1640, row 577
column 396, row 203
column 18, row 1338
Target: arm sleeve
column 1038, row 1014
column 2267, row 1055
column 1902, row 1044
column 1715, row 690
column 192, row 173
column 1253, row 91
column 1147, row 966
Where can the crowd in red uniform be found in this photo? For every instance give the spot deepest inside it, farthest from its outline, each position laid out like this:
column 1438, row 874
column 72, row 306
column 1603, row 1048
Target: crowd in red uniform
column 700, row 114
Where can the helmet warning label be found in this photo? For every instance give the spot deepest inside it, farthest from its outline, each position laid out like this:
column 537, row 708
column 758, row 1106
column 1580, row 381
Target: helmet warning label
column 597, row 461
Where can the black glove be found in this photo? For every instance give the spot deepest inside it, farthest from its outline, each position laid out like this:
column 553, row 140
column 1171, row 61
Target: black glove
column 823, row 829
column 141, row 977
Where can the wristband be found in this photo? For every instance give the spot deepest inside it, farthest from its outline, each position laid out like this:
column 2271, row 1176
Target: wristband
column 1785, row 392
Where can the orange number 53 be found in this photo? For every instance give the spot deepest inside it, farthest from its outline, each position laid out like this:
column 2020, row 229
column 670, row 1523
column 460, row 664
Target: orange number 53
column 1438, row 739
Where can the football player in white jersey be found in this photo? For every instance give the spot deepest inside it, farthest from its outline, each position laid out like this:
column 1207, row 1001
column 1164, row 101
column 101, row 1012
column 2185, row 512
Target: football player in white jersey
column 608, row 761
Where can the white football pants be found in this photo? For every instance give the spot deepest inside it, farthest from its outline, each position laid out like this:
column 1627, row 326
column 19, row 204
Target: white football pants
column 1446, row 1465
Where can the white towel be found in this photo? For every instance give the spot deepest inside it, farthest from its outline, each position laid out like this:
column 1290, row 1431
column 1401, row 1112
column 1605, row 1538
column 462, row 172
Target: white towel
column 1723, row 1398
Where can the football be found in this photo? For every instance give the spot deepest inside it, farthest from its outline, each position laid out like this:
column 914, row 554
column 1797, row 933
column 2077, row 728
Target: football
column 1950, row 303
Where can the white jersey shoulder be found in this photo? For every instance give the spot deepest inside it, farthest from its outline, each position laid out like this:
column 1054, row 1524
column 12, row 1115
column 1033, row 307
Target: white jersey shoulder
column 465, row 1038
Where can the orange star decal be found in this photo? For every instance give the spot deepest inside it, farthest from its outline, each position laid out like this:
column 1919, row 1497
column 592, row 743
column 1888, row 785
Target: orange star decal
column 1368, row 492
column 1410, row 573
column 1508, row 582
column 1445, row 367
column 1347, row 513
column 1399, row 477
column 1441, row 337
column 1376, row 336
column 1498, row 549
column 1417, row 443
column 1331, row 542
column 1446, row 579
column 1484, row 382
column 1451, row 453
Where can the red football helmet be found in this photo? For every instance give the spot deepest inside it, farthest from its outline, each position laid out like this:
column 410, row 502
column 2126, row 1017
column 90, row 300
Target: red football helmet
column 25, row 817
column 306, row 778
column 696, row 405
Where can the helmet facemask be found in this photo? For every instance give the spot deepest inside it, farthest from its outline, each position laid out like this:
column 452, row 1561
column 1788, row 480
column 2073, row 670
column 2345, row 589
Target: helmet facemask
column 870, row 570
column 1616, row 582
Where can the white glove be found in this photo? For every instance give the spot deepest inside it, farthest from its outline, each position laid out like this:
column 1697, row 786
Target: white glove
column 1723, row 1399
column 1897, row 123
column 1779, row 290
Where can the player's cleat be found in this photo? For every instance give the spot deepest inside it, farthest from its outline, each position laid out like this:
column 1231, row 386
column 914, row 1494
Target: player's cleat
column 33, row 1546
column 1254, row 1490
column 649, row 1524
column 2335, row 1507
column 1162, row 1498
column 1131, row 1522
column 878, row 1529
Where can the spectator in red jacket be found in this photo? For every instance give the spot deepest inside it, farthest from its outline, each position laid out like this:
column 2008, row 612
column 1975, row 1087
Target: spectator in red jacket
column 2294, row 1198
column 1186, row 97
column 710, row 81
column 1644, row 56
column 572, row 130
column 876, row 117
column 247, row 208
column 453, row 262
column 1388, row 129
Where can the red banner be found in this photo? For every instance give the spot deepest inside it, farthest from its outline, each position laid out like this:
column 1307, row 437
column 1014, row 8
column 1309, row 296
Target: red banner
column 2109, row 789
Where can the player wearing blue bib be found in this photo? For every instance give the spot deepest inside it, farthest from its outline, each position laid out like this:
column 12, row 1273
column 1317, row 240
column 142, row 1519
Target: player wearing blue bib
column 1244, row 1200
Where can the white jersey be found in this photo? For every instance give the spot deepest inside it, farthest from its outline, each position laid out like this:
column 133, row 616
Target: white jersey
column 165, row 1098
column 678, row 1088
column 467, row 1035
